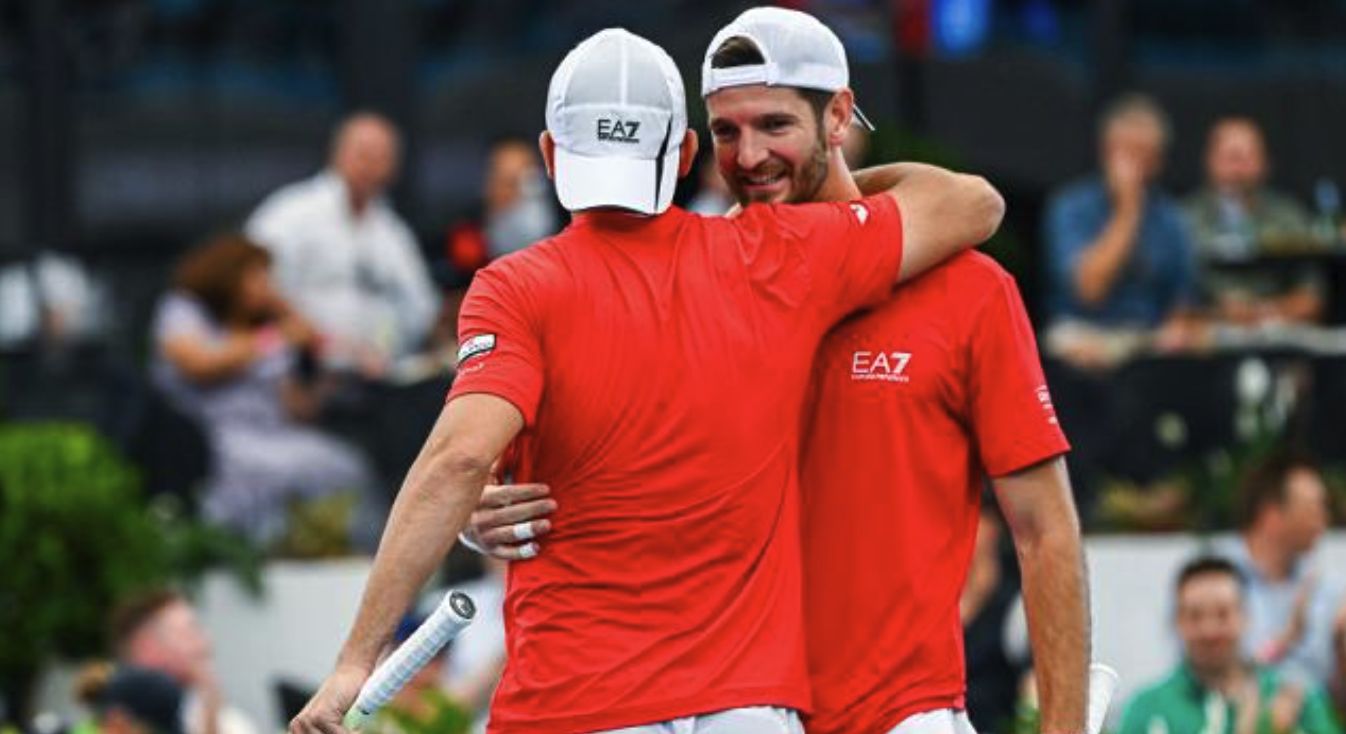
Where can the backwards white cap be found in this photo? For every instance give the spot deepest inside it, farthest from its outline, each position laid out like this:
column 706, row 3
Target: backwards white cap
column 799, row 51
column 618, row 113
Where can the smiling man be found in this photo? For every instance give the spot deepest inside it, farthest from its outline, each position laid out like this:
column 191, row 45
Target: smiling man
column 914, row 403
column 651, row 363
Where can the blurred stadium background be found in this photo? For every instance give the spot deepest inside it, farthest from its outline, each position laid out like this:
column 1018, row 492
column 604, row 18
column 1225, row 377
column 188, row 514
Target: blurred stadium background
column 133, row 130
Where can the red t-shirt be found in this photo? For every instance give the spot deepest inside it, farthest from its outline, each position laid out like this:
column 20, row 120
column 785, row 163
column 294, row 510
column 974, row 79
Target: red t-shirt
column 913, row 404
column 660, row 365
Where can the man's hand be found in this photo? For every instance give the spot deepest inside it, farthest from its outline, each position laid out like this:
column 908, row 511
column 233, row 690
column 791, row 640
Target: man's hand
column 1126, row 179
column 510, row 518
column 1285, row 709
column 329, row 705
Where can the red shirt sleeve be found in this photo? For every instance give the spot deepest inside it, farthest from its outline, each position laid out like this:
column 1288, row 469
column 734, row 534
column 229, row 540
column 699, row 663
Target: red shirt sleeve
column 499, row 350
column 851, row 251
column 1011, row 409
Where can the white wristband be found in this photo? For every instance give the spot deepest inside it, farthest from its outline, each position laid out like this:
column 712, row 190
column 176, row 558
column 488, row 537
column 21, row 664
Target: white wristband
column 471, row 543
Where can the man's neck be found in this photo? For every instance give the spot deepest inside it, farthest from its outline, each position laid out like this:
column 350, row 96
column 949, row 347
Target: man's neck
column 839, row 185
column 1270, row 560
column 1227, row 681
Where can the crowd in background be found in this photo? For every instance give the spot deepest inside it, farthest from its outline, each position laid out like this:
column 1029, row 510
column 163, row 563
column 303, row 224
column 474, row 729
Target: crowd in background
column 294, row 341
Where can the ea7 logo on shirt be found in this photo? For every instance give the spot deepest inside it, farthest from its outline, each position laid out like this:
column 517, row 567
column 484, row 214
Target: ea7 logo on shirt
column 617, row 131
column 886, row 366
column 475, row 347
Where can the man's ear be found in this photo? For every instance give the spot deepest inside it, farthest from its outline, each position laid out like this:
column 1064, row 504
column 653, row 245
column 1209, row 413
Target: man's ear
column 839, row 116
column 547, row 145
column 690, row 144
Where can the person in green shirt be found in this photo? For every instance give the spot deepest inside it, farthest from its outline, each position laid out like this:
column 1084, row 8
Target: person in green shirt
column 1214, row 690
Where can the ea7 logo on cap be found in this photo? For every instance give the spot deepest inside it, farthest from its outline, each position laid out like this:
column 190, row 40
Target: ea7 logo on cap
column 476, row 346
column 617, row 131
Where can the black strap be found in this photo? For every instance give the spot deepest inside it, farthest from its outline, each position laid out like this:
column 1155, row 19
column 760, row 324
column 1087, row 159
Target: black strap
column 659, row 163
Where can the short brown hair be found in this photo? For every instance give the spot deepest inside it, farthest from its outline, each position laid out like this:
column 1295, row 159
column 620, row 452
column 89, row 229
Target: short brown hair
column 1209, row 566
column 742, row 51
column 214, row 271
column 133, row 613
column 1264, row 482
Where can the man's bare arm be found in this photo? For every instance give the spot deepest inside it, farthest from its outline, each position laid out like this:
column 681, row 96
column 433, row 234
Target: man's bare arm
column 1041, row 516
column 438, row 496
column 943, row 212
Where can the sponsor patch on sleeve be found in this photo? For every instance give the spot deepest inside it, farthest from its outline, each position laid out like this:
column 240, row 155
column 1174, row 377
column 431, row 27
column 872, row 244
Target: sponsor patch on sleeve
column 475, row 347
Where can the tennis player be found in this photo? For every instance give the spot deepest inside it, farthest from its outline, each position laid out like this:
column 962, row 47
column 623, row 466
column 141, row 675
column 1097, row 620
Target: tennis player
column 913, row 405
column 652, row 364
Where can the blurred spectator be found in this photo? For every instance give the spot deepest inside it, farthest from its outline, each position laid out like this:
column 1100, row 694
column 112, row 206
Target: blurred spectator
column 712, row 197
column 995, row 631
column 159, row 631
column 1235, row 218
column 1119, row 255
column 516, row 208
column 345, row 258
column 129, row 700
column 1290, row 609
column 1215, row 688
column 49, row 299
column 226, row 348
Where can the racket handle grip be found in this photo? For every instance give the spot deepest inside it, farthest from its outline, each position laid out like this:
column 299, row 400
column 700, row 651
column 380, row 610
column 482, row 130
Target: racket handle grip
column 1102, row 685
column 453, row 614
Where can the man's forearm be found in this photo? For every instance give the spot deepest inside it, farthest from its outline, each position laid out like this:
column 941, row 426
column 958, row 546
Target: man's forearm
column 943, row 212
column 441, row 490
column 1056, row 601
column 432, row 507
column 1101, row 262
column 1041, row 517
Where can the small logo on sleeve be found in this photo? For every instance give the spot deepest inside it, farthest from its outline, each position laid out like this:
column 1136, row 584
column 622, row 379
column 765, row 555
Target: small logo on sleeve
column 475, row 347
column 886, row 366
column 617, row 131
column 861, row 212
column 1045, row 400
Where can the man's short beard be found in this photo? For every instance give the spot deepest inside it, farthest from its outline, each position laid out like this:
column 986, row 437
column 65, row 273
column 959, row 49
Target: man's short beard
column 813, row 173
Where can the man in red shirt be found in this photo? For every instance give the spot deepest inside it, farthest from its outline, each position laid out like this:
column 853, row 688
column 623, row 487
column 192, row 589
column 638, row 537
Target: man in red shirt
column 652, row 364
column 913, row 404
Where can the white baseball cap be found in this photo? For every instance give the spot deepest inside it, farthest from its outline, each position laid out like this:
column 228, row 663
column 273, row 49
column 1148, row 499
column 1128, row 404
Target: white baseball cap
column 799, row 51
column 618, row 113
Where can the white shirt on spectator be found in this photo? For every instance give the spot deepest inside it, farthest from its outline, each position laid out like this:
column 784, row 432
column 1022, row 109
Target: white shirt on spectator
column 361, row 279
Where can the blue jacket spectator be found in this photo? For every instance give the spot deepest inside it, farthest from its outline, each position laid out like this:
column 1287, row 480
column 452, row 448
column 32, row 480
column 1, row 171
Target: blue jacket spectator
column 1119, row 252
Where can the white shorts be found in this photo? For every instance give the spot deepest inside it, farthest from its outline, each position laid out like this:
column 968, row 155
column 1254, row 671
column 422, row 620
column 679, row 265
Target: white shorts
column 751, row 720
column 939, row 721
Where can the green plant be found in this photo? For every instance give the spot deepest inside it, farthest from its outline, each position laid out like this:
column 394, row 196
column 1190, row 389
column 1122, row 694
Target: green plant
column 76, row 536
column 442, row 715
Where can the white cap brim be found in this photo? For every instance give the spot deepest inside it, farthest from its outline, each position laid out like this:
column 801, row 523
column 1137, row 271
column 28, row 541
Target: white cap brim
column 641, row 185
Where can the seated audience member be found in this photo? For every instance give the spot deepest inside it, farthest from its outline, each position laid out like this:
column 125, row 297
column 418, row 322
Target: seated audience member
column 1118, row 251
column 129, row 700
column 226, row 347
column 516, row 208
column 1215, row 688
column 995, row 631
column 1290, row 603
column 49, row 299
column 1236, row 217
column 343, row 256
column 159, row 631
